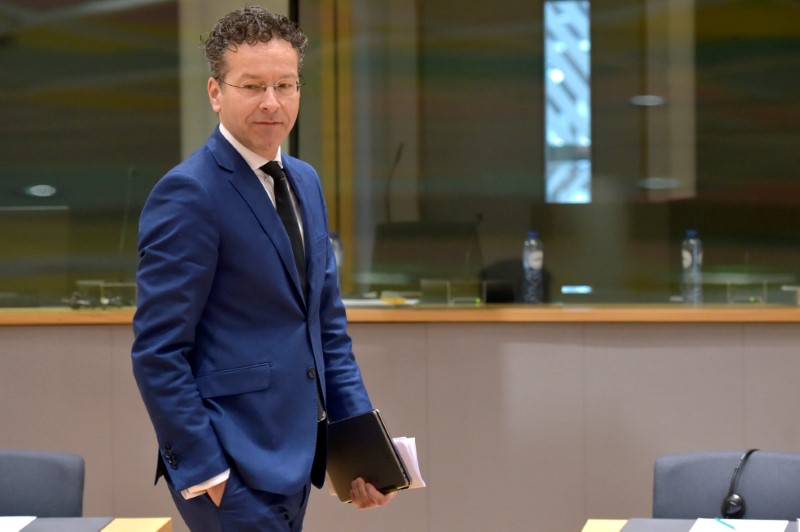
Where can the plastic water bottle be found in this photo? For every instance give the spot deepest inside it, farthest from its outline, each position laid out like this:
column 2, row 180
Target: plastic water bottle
column 338, row 253
column 532, row 262
column 692, row 263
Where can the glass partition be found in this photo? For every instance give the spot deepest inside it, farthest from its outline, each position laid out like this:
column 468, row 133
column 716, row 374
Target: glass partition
column 429, row 122
column 88, row 122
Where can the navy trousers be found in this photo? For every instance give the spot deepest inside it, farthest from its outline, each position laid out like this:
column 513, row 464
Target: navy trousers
column 244, row 509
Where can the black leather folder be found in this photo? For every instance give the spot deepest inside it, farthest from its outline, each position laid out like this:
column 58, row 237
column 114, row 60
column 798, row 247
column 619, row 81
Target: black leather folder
column 360, row 446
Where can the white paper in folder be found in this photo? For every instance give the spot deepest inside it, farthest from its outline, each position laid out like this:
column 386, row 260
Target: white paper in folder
column 407, row 449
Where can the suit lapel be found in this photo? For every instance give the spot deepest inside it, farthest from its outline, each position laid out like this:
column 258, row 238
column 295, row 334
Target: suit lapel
column 247, row 184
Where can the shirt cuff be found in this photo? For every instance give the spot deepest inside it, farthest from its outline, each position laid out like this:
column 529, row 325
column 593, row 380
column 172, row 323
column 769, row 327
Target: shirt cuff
column 200, row 489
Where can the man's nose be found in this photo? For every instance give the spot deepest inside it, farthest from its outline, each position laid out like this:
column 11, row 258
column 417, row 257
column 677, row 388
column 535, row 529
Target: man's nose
column 269, row 100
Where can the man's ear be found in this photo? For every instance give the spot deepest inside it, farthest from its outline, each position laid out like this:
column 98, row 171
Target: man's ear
column 214, row 93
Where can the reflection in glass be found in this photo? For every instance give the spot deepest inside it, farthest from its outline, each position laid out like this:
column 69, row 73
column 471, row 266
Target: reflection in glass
column 89, row 120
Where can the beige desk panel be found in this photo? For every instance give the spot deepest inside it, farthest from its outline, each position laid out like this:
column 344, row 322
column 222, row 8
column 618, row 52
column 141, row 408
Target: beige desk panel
column 567, row 417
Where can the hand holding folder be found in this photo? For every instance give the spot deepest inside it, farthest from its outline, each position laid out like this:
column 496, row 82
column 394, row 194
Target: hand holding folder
column 360, row 446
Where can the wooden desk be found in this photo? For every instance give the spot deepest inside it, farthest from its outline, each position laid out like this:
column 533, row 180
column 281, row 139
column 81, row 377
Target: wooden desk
column 604, row 525
column 455, row 314
column 90, row 524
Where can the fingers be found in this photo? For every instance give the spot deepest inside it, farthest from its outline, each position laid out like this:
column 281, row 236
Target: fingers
column 216, row 492
column 366, row 496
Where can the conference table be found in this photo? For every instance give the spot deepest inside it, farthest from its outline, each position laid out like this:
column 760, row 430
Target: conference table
column 656, row 525
column 85, row 524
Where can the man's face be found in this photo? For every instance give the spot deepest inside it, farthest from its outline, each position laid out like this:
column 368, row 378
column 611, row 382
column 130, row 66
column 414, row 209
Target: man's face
column 259, row 120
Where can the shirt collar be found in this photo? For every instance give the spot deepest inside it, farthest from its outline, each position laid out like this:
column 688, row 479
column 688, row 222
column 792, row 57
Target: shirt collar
column 253, row 160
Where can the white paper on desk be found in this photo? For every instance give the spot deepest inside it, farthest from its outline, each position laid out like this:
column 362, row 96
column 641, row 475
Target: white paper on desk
column 740, row 525
column 407, row 449
column 15, row 523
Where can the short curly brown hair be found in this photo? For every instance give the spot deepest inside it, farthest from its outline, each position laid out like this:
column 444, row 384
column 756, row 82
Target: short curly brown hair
column 249, row 25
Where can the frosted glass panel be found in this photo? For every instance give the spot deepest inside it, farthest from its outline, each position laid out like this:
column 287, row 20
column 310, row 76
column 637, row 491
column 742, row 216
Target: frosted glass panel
column 568, row 115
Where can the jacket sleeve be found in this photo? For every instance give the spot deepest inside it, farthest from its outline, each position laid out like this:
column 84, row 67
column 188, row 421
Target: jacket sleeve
column 178, row 249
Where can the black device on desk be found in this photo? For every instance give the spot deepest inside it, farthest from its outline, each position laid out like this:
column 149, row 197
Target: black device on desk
column 733, row 504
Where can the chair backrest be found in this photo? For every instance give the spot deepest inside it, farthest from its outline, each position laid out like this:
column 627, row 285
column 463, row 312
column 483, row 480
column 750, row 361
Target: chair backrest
column 694, row 485
column 41, row 483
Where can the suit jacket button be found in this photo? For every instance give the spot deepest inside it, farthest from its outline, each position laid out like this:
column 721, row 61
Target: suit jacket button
column 312, row 373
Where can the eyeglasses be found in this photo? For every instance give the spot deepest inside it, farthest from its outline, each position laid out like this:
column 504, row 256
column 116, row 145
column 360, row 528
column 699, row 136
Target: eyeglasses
column 284, row 88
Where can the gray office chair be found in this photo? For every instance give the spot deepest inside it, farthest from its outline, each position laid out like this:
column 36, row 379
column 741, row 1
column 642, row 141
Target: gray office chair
column 749, row 485
column 41, row 483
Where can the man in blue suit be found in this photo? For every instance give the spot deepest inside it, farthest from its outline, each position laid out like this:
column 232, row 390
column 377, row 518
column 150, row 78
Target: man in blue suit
column 241, row 352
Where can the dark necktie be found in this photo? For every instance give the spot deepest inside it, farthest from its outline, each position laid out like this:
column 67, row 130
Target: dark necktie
column 288, row 215
column 286, row 211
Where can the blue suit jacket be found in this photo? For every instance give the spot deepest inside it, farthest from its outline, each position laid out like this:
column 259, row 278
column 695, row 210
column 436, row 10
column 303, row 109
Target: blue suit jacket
column 226, row 350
